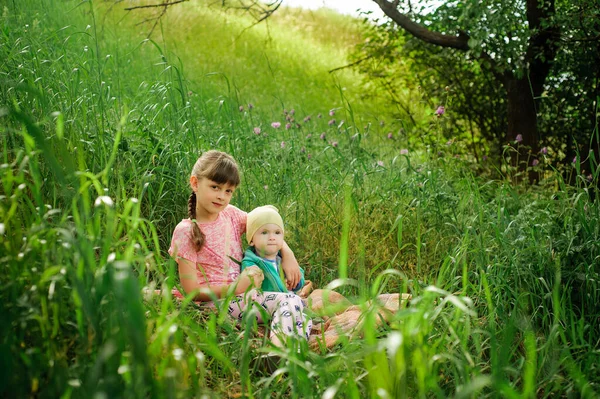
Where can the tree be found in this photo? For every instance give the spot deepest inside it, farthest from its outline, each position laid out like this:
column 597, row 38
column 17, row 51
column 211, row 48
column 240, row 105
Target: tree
column 516, row 40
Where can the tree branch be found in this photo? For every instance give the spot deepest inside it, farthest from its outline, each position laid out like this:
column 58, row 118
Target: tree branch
column 421, row 32
column 355, row 63
column 165, row 4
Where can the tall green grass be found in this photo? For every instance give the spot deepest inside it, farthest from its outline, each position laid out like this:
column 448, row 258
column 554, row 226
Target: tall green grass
column 99, row 134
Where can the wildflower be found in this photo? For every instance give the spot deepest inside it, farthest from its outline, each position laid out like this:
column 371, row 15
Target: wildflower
column 535, row 162
column 334, row 144
column 257, row 130
column 382, row 123
column 241, row 108
column 288, row 118
column 484, row 158
column 519, row 138
column 103, row 200
column 250, row 105
column 404, row 151
column 380, row 163
column 590, row 177
column 390, row 135
column 308, row 136
column 266, row 187
column 276, row 125
column 302, row 150
column 319, row 116
column 331, row 112
column 292, row 111
column 308, row 156
column 307, row 119
column 574, row 159
column 544, row 150
column 288, row 126
column 449, row 142
column 440, row 110
column 322, row 136
column 331, row 122
column 283, row 144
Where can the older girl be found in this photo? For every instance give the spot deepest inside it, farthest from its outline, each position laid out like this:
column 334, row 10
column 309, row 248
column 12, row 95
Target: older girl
column 208, row 243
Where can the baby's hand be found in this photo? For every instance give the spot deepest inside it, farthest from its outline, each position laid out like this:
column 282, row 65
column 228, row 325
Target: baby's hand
column 255, row 275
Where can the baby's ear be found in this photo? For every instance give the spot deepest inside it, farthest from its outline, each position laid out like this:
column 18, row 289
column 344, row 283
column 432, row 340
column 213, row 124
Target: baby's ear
column 251, row 243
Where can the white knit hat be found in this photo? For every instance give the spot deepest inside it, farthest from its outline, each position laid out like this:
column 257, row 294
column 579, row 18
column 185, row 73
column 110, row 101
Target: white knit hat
column 259, row 217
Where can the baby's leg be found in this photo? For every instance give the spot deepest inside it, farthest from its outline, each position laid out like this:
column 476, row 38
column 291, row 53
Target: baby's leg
column 287, row 312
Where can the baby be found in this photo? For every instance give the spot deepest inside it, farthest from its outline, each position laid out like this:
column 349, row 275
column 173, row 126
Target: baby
column 264, row 232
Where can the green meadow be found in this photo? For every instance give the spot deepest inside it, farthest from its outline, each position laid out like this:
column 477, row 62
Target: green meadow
column 100, row 126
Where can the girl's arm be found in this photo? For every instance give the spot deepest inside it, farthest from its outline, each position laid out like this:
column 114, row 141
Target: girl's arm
column 187, row 276
column 290, row 267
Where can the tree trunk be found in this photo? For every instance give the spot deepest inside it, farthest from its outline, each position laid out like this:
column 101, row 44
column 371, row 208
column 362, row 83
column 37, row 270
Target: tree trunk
column 522, row 120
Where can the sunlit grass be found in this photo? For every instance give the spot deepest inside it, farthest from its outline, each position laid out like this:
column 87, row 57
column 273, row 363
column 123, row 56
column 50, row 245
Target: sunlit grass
column 96, row 150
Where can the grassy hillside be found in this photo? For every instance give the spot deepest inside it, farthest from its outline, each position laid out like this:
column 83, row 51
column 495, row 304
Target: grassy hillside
column 283, row 63
column 99, row 133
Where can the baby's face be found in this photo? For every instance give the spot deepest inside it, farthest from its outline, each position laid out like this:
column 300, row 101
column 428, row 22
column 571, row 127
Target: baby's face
column 268, row 240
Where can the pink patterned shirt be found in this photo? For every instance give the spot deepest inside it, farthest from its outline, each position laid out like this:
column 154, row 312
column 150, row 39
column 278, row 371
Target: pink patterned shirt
column 223, row 240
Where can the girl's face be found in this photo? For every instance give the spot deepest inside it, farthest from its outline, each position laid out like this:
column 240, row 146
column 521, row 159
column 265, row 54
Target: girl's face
column 268, row 240
column 211, row 197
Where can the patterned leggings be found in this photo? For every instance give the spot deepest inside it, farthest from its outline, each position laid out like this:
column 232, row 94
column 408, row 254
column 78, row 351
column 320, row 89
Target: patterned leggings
column 286, row 311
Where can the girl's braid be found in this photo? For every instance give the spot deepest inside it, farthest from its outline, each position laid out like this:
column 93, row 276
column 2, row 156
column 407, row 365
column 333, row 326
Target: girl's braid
column 197, row 234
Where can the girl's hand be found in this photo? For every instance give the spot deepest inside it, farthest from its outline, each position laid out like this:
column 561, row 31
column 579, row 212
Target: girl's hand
column 290, row 267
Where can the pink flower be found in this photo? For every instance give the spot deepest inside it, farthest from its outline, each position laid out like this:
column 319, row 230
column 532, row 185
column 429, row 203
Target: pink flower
column 390, row 135
column 292, row 111
column 308, row 136
column 276, row 125
column 574, row 159
column 441, row 110
column 380, row 163
column 250, row 105
column 322, row 136
column 544, row 150
column 590, row 177
column 307, row 119
column 288, row 126
column 256, row 130
column 283, row 144
column 331, row 112
column 308, row 156
column 449, row 142
column 535, row 162
column 404, row 151
column 331, row 122
column 241, row 108
column 519, row 138
column 334, row 144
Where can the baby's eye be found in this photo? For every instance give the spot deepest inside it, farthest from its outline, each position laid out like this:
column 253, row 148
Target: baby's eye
column 278, row 232
column 264, row 232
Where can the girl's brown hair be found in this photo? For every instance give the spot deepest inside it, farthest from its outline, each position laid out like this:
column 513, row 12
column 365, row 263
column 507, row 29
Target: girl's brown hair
column 219, row 167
